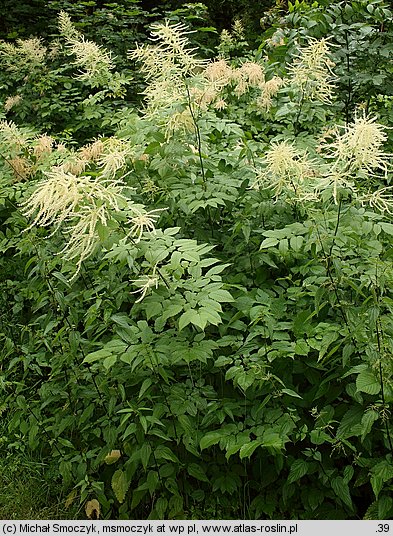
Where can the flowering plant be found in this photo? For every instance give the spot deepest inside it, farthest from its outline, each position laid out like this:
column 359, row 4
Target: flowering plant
column 196, row 304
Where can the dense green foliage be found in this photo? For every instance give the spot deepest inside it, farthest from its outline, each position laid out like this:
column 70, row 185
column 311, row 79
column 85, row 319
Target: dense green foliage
column 27, row 491
column 24, row 18
column 196, row 291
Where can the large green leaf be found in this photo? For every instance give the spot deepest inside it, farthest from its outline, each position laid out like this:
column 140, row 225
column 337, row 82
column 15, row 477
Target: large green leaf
column 272, row 440
column 195, row 470
column 385, row 505
column 350, row 424
column 381, row 472
column 120, row 484
column 191, row 317
column 211, row 438
column 298, row 469
column 368, row 420
column 145, row 455
column 341, row 489
column 387, row 227
column 269, row 242
column 247, row 450
column 97, row 355
column 366, row 382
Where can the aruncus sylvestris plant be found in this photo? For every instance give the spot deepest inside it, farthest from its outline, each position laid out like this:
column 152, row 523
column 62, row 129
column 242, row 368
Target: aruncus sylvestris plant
column 178, row 79
column 339, row 164
column 311, row 71
column 84, row 207
column 169, row 387
column 94, row 61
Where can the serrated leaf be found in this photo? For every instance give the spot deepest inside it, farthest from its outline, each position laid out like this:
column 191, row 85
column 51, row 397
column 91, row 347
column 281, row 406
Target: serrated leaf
column 145, row 386
column 384, row 507
column 185, row 422
column 368, row 420
column 232, row 449
column 152, row 481
column 244, row 380
column 216, row 270
column 209, row 315
column 376, row 483
column 119, row 485
column 161, row 507
column 248, row 449
column 298, row 469
column 272, row 440
column 269, row 242
column 283, row 246
column 60, row 277
column 223, row 360
column 301, row 348
column 195, row 470
column 315, row 498
column 347, row 352
column 350, row 424
column 172, row 310
column 372, row 512
column 211, row 438
column 221, row 295
column 175, row 505
column 109, row 362
column 341, row 489
column 198, row 320
column 152, row 308
column 95, row 356
column 348, row 473
column 137, row 496
column 366, row 382
column 171, row 231
column 121, row 320
column 50, row 326
column 187, row 318
column 381, row 472
column 165, row 453
column 175, row 260
column 296, row 243
column 145, row 455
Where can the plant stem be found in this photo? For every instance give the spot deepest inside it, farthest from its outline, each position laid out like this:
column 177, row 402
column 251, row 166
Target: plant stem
column 199, row 149
column 382, row 387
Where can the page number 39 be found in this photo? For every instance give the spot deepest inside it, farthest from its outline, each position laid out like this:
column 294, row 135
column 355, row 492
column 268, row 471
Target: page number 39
column 383, row 527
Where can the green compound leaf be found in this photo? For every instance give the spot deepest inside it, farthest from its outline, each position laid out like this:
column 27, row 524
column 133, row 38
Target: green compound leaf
column 190, row 317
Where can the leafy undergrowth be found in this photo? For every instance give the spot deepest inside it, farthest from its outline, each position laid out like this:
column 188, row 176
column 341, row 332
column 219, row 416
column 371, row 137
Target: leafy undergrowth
column 196, row 305
column 28, row 492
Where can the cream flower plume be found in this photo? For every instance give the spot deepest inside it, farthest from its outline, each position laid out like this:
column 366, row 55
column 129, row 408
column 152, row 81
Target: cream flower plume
column 311, row 71
column 359, row 147
column 94, row 61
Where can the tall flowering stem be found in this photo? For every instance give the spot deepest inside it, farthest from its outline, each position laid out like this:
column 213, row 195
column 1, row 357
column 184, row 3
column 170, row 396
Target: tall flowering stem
column 95, row 62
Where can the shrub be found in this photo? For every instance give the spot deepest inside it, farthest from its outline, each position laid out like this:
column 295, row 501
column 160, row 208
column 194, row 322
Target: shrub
column 196, row 308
